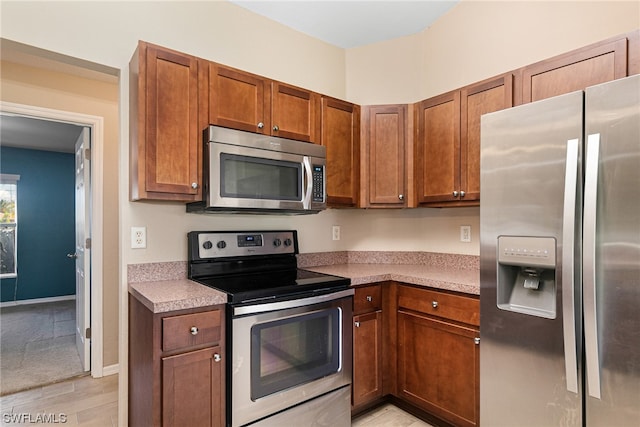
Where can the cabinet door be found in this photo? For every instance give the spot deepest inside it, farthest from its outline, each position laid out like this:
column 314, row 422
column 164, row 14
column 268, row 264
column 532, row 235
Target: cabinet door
column 165, row 155
column 476, row 100
column 192, row 389
column 438, row 367
column 239, row 100
column 438, row 149
column 576, row 70
column 367, row 358
column 385, row 155
column 295, row 113
column 341, row 136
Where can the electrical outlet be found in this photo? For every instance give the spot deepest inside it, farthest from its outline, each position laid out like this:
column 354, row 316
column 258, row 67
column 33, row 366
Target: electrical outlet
column 138, row 237
column 335, row 232
column 465, row 233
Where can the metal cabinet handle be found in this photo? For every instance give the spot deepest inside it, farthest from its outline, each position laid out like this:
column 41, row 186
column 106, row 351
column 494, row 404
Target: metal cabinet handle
column 276, row 128
column 72, row 256
column 194, row 185
column 369, row 299
column 476, row 341
column 434, row 304
column 194, row 330
column 462, row 193
column 260, row 125
column 455, row 194
column 217, row 357
column 357, row 324
column 401, row 196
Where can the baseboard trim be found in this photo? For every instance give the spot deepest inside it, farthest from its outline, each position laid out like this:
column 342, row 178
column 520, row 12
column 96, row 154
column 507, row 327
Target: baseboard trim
column 110, row 370
column 36, row 301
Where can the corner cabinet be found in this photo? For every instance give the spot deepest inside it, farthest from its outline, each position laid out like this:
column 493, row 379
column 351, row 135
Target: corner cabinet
column 447, row 141
column 383, row 179
column 249, row 102
column 438, row 353
column 165, row 146
column 367, row 347
column 341, row 136
column 176, row 367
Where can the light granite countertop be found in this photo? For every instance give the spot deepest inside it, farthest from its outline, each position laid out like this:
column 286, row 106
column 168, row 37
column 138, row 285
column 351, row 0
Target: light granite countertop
column 451, row 279
column 169, row 295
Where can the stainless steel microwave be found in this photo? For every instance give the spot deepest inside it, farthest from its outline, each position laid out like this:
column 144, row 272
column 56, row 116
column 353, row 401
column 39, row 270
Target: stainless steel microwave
column 250, row 173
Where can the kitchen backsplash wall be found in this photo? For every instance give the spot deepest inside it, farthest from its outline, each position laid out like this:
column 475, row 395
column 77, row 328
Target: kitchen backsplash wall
column 429, row 230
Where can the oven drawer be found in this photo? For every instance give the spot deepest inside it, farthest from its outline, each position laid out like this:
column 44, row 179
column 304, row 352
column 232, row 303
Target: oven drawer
column 367, row 298
column 190, row 330
column 453, row 307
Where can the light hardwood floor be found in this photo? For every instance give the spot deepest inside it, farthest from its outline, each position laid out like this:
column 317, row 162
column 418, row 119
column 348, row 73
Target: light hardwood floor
column 83, row 401
column 87, row 401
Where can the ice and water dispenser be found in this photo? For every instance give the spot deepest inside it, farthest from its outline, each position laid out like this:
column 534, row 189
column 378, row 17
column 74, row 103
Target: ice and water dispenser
column 527, row 275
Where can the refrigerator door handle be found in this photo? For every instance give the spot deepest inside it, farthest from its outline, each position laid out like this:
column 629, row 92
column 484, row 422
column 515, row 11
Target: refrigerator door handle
column 568, row 266
column 589, row 265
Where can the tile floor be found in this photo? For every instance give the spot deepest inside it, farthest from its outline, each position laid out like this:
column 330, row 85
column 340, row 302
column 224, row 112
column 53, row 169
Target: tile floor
column 388, row 416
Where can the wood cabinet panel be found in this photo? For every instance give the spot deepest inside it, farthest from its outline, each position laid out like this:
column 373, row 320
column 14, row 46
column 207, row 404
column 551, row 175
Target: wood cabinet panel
column 448, row 306
column 178, row 331
column 191, row 385
column 438, row 365
column 367, row 299
column 295, row 113
column 367, row 360
column 575, row 70
column 165, row 138
column 385, row 155
column 239, row 100
column 341, row 136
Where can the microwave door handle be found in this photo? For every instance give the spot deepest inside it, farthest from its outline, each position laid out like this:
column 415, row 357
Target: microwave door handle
column 308, row 187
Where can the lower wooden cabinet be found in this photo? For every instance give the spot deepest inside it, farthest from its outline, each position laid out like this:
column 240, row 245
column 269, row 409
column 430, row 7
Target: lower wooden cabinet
column 367, row 358
column 176, row 367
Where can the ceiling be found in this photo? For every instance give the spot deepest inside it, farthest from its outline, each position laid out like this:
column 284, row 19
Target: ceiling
column 352, row 23
column 37, row 134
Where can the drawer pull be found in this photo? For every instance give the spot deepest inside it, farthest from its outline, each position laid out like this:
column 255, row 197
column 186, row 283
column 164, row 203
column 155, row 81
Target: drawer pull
column 194, row 330
column 434, row 304
column 217, row 357
column 369, row 299
column 476, row 341
column 357, row 324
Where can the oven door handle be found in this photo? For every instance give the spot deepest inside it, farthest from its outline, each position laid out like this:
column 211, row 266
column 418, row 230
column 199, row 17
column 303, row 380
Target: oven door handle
column 298, row 302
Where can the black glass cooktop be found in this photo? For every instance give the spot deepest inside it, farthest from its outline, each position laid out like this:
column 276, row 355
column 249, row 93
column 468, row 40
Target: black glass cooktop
column 275, row 285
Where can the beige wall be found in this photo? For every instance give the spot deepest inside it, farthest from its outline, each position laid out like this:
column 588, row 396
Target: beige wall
column 36, row 87
column 480, row 39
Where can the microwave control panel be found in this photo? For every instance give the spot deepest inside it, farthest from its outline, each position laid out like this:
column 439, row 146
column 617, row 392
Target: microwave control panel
column 318, row 183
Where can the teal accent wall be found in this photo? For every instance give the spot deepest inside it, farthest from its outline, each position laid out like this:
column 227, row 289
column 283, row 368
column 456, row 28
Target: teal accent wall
column 46, row 223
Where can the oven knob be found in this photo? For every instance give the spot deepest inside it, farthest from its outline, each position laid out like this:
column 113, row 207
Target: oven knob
column 277, row 243
column 221, row 244
column 207, row 245
column 287, row 242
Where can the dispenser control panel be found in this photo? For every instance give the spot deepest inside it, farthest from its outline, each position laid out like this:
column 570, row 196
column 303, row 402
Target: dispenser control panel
column 527, row 251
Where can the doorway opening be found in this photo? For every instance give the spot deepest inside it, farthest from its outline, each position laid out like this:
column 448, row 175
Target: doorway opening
column 73, row 318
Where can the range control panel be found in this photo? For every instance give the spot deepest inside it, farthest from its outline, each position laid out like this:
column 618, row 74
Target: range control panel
column 220, row 244
column 527, row 251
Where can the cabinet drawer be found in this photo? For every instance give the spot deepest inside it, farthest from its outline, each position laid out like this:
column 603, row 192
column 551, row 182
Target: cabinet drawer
column 367, row 298
column 190, row 330
column 454, row 307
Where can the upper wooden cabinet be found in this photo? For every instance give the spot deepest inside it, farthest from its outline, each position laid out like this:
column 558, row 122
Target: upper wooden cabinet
column 341, row 136
column 384, row 176
column 447, row 141
column 165, row 136
column 594, row 64
column 249, row 102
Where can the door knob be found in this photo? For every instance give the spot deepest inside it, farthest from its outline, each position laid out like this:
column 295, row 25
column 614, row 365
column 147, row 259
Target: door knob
column 455, row 194
column 276, row 128
column 260, row 125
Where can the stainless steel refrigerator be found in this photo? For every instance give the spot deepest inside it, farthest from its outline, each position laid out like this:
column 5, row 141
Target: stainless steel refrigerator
column 560, row 260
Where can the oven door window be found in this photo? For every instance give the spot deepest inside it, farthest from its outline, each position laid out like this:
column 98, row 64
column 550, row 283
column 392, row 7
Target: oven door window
column 294, row 351
column 258, row 178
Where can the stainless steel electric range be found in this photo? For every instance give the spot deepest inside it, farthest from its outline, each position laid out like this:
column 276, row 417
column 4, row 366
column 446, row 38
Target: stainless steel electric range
column 289, row 336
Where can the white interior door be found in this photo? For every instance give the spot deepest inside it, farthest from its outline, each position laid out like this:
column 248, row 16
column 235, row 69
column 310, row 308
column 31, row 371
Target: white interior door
column 83, row 247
